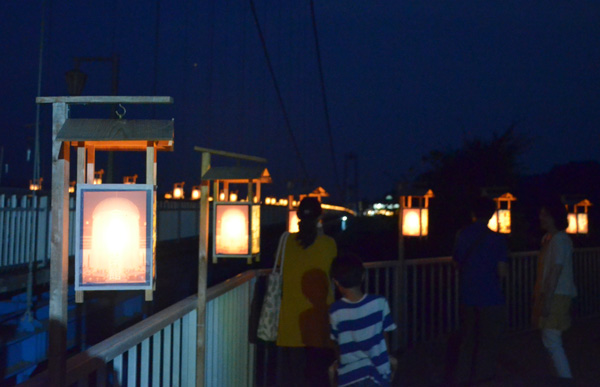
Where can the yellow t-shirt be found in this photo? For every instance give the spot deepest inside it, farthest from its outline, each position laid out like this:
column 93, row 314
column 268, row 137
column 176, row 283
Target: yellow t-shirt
column 307, row 293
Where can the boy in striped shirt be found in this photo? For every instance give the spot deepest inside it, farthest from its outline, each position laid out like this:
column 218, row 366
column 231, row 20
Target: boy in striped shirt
column 359, row 325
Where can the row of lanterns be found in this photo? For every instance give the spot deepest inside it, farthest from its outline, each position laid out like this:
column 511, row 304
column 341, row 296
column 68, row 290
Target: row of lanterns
column 415, row 214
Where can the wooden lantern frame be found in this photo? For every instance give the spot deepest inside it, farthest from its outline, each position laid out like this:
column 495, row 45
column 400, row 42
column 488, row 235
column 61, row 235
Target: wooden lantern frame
column 223, row 178
column 503, row 207
column 97, row 134
column 415, row 200
column 577, row 217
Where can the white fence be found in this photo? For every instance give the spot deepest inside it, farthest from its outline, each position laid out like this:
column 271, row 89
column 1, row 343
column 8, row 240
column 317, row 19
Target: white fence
column 429, row 301
column 161, row 350
column 25, row 226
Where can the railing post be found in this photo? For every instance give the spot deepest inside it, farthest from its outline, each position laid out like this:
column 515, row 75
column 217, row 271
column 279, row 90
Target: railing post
column 202, row 268
column 400, row 287
column 59, row 263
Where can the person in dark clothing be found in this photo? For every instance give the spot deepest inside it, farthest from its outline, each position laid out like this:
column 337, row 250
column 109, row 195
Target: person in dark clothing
column 481, row 257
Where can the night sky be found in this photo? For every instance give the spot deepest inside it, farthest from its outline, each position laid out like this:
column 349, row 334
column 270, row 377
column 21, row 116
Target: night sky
column 402, row 78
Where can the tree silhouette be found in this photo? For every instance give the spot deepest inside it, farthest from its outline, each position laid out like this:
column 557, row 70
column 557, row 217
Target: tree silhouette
column 458, row 176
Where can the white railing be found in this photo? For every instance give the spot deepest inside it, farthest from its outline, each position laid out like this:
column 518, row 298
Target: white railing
column 161, row 350
column 24, row 225
column 430, row 302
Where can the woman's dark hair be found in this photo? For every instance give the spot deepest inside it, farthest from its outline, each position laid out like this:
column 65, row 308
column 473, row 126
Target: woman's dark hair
column 309, row 211
column 347, row 270
column 558, row 212
column 309, row 208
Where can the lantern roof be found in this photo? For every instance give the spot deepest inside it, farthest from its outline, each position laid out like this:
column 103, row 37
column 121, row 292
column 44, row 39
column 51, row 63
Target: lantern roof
column 506, row 196
column 319, row 191
column 576, row 201
column 416, row 191
column 239, row 174
column 118, row 134
column 498, row 193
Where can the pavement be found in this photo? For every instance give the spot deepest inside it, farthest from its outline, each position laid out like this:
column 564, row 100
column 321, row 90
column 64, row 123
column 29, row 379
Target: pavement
column 523, row 361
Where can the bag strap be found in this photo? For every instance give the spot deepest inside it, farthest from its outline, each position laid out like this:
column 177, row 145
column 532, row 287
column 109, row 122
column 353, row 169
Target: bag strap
column 281, row 251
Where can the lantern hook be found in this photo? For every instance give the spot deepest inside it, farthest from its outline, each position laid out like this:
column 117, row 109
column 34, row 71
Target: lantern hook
column 121, row 115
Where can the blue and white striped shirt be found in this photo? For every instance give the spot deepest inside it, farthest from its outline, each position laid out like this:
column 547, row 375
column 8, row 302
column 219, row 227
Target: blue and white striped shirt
column 358, row 329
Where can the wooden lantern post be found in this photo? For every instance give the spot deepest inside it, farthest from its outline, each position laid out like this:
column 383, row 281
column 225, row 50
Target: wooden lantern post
column 61, row 144
column 203, row 252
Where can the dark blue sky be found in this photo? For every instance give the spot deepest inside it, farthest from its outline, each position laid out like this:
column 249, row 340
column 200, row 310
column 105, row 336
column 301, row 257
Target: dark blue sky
column 402, row 78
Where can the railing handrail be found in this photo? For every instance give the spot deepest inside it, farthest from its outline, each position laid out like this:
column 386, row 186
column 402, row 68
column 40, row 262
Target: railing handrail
column 82, row 364
column 91, row 359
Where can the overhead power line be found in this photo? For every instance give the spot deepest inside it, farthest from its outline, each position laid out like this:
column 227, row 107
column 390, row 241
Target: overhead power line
column 324, row 94
column 278, row 91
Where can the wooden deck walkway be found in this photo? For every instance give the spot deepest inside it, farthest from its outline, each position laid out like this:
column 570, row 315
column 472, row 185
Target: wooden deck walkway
column 523, row 360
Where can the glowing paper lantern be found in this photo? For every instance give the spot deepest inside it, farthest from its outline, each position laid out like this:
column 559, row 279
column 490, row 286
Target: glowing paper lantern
column 178, row 191
column 415, row 213
column 293, row 221
column 236, row 222
column 501, row 220
column 114, row 241
column 98, row 176
column 503, row 226
column 36, row 185
column 195, row 192
column 578, row 216
column 237, row 229
column 415, row 222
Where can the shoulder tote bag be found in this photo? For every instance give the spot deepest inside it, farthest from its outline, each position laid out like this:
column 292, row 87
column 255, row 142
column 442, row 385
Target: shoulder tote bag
column 268, row 323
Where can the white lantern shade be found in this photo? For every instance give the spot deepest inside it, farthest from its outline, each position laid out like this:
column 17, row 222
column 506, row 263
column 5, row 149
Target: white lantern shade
column 502, row 226
column 114, row 234
column 237, row 229
column 415, row 221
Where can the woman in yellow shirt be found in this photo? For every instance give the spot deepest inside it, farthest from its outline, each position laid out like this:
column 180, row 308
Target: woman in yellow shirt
column 305, row 349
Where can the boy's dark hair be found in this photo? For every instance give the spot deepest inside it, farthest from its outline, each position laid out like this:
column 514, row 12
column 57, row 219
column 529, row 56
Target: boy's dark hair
column 347, row 270
column 557, row 211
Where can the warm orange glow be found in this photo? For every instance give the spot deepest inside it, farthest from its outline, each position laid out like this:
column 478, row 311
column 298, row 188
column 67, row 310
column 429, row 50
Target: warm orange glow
column 222, row 196
column 578, row 223
column 177, row 193
column 195, row 193
column 232, row 229
column 415, row 222
column 168, row 195
column 114, row 238
column 98, row 176
column 233, row 197
column 582, row 223
column 255, row 229
column 572, row 227
column 36, row 185
column 504, row 222
column 293, row 221
column 130, row 179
